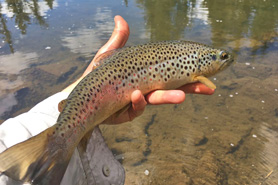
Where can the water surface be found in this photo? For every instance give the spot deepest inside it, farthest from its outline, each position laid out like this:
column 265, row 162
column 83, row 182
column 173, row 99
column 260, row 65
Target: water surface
column 230, row 137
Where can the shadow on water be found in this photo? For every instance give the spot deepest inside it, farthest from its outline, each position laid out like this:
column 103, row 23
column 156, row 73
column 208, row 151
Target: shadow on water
column 227, row 138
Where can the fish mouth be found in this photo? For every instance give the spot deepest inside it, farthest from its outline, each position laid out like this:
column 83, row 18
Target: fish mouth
column 226, row 63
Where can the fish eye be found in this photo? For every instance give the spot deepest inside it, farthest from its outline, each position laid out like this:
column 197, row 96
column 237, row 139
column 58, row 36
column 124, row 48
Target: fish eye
column 223, row 55
column 214, row 57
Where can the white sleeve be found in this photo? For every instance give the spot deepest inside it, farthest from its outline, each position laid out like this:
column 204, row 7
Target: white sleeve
column 28, row 124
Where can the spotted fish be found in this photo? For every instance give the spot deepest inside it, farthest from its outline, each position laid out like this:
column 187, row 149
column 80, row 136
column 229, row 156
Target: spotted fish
column 105, row 91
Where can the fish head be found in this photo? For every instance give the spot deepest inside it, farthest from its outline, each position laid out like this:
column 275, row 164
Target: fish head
column 212, row 61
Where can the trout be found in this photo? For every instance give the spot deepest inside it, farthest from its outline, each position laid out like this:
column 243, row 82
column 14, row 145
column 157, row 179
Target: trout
column 105, row 91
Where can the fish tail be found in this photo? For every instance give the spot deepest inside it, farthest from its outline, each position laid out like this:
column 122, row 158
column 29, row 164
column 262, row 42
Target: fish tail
column 32, row 161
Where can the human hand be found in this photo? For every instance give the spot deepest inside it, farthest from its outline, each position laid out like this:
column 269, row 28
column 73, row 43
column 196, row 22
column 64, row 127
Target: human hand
column 139, row 101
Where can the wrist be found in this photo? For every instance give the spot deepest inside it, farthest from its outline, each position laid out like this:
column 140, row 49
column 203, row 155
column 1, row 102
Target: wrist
column 72, row 86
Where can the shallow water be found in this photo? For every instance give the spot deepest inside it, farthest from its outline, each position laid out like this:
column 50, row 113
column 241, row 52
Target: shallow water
column 230, row 137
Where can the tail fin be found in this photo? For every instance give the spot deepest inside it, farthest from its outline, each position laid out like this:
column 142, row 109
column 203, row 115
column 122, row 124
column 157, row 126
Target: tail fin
column 35, row 160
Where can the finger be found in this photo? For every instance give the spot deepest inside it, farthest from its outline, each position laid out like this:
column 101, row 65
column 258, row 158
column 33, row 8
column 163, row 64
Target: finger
column 138, row 104
column 197, row 88
column 177, row 96
column 137, row 108
column 165, row 97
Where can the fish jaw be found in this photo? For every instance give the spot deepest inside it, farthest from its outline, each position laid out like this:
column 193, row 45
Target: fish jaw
column 226, row 63
column 212, row 61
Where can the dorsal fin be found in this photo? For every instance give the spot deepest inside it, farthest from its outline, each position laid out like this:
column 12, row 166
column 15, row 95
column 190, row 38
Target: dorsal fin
column 102, row 58
column 62, row 105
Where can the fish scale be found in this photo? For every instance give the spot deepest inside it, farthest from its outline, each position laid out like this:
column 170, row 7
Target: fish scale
column 104, row 92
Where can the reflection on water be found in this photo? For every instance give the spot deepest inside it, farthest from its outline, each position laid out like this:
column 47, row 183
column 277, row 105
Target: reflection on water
column 239, row 19
column 19, row 62
column 85, row 40
column 165, row 19
column 9, row 101
column 23, row 13
column 227, row 138
column 10, row 67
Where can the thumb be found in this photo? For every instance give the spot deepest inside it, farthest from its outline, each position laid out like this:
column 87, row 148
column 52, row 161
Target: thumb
column 119, row 36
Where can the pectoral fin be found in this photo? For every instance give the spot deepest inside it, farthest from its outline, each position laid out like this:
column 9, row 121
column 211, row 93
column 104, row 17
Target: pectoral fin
column 103, row 57
column 205, row 81
column 125, row 108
